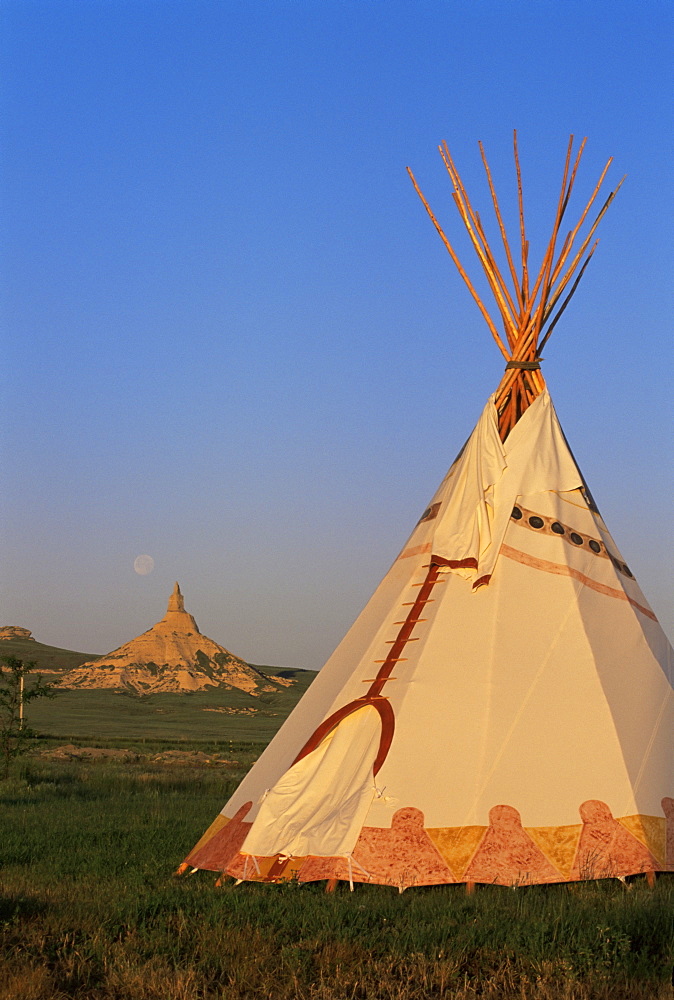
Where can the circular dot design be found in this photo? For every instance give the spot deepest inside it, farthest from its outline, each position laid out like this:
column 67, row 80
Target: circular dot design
column 557, row 528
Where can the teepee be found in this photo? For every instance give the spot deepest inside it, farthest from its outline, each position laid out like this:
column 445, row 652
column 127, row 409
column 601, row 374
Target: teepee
column 501, row 711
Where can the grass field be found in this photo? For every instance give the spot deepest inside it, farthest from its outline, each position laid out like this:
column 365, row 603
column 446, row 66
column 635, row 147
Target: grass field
column 214, row 714
column 89, row 910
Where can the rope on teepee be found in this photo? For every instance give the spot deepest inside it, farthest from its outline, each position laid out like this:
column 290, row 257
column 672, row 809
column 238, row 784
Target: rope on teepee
column 352, row 861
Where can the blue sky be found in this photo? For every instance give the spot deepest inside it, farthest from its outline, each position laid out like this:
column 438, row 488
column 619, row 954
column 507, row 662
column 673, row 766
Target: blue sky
column 231, row 337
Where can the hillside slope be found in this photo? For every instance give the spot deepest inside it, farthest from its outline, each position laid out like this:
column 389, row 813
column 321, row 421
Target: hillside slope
column 18, row 642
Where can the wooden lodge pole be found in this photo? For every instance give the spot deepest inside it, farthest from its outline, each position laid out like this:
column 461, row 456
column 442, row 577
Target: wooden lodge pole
column 21, row 684
column 530, row 308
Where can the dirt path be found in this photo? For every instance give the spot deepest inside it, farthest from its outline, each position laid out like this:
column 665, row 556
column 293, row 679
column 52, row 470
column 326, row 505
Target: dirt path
column 194, row 757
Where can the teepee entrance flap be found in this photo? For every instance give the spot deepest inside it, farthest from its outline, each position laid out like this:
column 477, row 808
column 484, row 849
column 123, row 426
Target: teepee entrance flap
column 319, row 805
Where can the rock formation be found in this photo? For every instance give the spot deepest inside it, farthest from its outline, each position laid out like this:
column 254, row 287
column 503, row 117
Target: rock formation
column 171, row 656
column 15, row 632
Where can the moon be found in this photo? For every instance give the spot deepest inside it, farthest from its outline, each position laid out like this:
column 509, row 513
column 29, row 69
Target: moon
column 143, row 565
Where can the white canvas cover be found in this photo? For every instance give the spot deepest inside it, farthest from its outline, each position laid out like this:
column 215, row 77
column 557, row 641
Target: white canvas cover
column 533, row 734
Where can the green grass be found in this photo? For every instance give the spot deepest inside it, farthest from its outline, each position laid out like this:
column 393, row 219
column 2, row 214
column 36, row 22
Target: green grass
column 89, row 911
column 100, row 714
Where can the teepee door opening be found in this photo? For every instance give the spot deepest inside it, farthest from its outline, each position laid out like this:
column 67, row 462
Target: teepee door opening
column 319, row 805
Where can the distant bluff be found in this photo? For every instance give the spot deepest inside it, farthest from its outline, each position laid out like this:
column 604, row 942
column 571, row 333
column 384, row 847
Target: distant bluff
column 172, row 656
column 16, row 632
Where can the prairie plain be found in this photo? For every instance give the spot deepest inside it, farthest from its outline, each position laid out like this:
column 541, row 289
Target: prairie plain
column 90, row 909
column 109, row 800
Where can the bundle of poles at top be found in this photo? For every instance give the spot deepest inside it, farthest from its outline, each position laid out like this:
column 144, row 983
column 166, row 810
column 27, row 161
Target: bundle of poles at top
column 529, row 309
